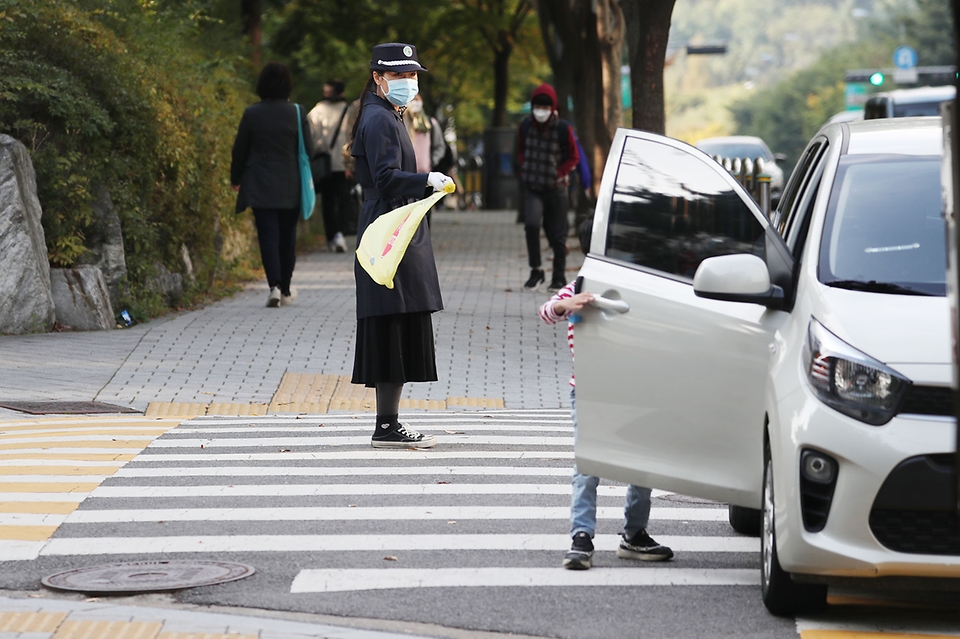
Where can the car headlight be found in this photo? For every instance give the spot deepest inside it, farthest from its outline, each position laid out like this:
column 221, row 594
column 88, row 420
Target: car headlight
column 850, row 381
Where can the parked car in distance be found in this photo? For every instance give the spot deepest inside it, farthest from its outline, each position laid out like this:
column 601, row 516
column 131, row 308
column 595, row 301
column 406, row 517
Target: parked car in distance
column 905, row 103
column 748, row 146
column 798, row 369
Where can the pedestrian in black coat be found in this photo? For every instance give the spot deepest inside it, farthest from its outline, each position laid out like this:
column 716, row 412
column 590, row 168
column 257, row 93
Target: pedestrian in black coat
column 266, row 176
column 394, row 327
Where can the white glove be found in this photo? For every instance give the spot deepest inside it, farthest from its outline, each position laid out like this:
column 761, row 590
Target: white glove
column 438, row 181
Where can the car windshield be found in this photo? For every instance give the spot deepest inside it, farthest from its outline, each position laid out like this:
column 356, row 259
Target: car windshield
column 911, row 109
column 884, row 230
column 741, row 150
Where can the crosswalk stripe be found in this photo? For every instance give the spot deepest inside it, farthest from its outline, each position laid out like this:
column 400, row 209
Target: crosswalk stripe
column 345, row 580
column 368, row 543
column 253, row 442
column 366, row 428
column 359, row 455
column 316, row 490
column 385, row 513
column 16, row 550
column 340, row 471
column 74, row 498
column 46, row 479
column 31, row 519
column 558, row 417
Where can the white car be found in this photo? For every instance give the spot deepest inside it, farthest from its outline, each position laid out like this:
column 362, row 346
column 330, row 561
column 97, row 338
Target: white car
column 799, row 370
column 744, row 147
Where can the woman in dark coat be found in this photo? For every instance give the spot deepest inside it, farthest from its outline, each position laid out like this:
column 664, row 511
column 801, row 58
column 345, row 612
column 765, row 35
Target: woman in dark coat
column 266, row 176
column 394, row 327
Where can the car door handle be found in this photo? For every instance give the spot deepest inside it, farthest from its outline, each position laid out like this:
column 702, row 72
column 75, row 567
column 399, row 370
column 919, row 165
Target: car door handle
column 607, row 304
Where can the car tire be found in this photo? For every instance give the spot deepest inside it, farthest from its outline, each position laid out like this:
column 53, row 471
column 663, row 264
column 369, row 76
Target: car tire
column 782, row 596
column 746, row 521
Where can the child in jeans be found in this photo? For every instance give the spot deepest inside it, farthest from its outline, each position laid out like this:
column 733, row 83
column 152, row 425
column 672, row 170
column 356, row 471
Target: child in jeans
column 635, row 542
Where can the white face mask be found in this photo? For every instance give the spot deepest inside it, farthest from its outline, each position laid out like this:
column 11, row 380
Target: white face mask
column 542, row 115
column 416, row 106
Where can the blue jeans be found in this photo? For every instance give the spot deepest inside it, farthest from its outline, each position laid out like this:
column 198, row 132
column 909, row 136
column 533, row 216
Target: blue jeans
column 583, row 506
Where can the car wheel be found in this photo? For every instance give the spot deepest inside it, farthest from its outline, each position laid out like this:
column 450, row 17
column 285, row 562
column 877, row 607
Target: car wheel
column 746, row 521
column 781, row 594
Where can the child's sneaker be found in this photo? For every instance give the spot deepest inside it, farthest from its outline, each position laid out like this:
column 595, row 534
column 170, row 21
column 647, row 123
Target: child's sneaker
column 399, row 436
column 581, row 550
column 642, row 546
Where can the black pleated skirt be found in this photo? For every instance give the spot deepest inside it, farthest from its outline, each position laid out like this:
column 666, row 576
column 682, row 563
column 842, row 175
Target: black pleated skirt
column 395, row 348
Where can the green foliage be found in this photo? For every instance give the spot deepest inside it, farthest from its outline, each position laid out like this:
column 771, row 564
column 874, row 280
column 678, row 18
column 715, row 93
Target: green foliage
column 119, row 95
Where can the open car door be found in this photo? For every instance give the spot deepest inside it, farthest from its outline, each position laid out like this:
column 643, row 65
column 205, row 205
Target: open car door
column 670, row 386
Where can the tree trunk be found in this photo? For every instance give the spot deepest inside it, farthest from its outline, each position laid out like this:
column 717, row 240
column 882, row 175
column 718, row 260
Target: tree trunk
column 648, row 27
column 610, row 28
column 501, row 80
column 253, row 29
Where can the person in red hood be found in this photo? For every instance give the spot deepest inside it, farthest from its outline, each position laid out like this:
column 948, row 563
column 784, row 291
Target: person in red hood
column 546, row 153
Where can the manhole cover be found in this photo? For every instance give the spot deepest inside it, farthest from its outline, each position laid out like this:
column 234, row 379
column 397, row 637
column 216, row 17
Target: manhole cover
column 147, row 576
column 684, row 499
column 66, row 408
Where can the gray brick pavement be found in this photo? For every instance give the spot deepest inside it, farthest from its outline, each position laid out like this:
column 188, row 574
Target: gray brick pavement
column 490, row 342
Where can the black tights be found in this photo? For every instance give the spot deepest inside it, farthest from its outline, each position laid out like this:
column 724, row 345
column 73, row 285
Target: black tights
column 388, row 402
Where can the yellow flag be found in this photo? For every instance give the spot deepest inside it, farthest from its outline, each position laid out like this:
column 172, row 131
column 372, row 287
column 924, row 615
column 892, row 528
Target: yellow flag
column 386, row 240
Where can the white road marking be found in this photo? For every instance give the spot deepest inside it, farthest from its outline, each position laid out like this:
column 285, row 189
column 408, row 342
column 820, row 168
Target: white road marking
column 69, row 463
column 66, row 497
column 261, row 442
column 561, row 427
column 30, row 519
column 345, row 580
column 11, row 550
column 387, row 513
column 369, row 543
column 79, row 438
column 365, row 455
column 291, row 490
column 49, row 479
column 63, row 452
column 345, row 471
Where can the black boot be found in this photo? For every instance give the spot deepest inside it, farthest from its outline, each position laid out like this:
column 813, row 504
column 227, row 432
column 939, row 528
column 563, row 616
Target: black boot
column 536, row 278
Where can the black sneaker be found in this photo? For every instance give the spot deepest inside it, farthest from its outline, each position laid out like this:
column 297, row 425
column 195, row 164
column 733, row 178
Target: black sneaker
column 399, row 436
column 642, row 546
column 581, row 550
column 536, row 278
column 556, row 284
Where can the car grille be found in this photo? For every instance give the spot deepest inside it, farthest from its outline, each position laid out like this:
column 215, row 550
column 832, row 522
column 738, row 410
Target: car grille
column 929, row 400
column 917, row 532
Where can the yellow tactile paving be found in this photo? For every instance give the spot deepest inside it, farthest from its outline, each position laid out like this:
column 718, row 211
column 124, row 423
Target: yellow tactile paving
column 856, row 634
column 207, row 635
column 59, row 470
column 30, row 621
column 175, row 409
column 108, row 630
column 92, row 439
column 236, row 409
column 27, row 533
column 423, row 404
column 476, row 402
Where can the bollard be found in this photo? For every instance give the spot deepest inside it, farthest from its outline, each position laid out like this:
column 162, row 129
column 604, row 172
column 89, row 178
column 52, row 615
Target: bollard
column 746, row 176
column 764, row 201
column 727, row 164
column 758, row 169
column 735, row 168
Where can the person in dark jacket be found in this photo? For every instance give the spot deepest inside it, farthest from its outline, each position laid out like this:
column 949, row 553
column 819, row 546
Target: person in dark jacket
column 546, row 153
column 266, row 176
column 394, row 326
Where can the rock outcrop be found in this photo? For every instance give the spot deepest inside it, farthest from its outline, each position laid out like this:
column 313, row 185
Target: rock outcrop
column 105, row 248
column 26, row 302
column 82, row 299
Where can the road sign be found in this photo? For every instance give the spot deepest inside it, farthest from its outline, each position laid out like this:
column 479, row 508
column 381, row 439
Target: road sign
column 855, row 95
column 904, row 58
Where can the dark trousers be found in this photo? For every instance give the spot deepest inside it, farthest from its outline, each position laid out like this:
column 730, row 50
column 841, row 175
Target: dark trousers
column 334, row 202
column 549, row 208
column 277, row 234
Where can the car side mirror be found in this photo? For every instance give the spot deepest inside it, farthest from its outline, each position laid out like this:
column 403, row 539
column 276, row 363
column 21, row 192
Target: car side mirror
column 779, row 158
column 737, row 278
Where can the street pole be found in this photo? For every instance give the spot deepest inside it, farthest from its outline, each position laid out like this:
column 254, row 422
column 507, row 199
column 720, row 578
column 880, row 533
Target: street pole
column 954, row 192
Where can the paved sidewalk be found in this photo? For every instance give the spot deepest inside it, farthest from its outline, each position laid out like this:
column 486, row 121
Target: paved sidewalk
column 490, row 344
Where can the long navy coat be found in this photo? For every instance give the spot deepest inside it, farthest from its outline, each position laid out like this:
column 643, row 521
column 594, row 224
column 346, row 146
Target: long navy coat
column 264, row 159
column 386, row 168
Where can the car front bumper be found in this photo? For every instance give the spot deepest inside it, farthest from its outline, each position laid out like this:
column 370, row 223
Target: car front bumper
column 866, row 456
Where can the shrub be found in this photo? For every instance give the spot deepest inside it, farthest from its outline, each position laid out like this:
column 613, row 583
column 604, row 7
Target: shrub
column 116, row 95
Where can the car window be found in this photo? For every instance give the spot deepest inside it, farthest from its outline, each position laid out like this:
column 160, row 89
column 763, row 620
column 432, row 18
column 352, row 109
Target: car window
column 671, row 210
column 884, row 229
column 735, row 150
column 789, row 202
column 907, row 110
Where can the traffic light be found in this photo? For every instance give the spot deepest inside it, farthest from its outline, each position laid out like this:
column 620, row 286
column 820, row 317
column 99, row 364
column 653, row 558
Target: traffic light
column 876, row 79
